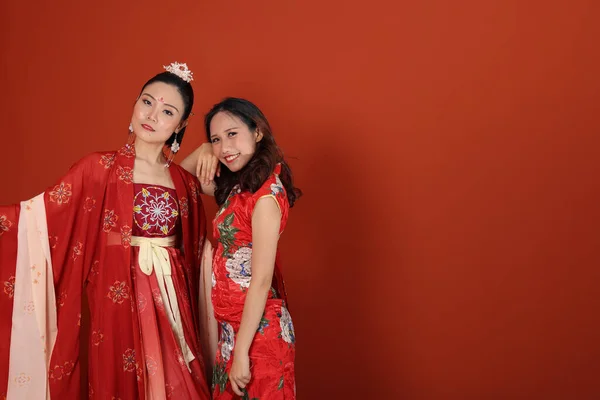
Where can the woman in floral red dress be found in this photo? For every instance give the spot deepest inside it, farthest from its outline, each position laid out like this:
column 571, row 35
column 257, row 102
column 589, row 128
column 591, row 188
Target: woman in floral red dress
column 256, row 345
column 127, row 230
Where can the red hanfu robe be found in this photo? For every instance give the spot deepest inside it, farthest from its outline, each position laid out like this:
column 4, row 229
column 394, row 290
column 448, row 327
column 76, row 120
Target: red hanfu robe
column 77, row 236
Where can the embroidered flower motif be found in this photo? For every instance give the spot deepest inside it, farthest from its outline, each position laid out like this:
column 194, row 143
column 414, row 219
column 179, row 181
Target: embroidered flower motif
column 142, row 302
column 239, row 267
column 127, row 151
column 52, row 241
column 29, row 307
column 227, row 340
column 5, row 224
column 89, row 204
column 97, row 338
column 22, row 379
column 287, row 327
column 107, row 160
column 151, row 365
column 68, row 367
column 156, row 208
column 118, row 292
column 158, row 301
column 77, row 250
column 60, row 301
column 277, row 187
column 125, row 174
column 35, row 273
column 94, row 268
column 129, row 363
column 194, row 191
column 126, row 236
column 61, row 194
column 60, row 371
column 110, row 220
column 183, row 207
column 9, row 287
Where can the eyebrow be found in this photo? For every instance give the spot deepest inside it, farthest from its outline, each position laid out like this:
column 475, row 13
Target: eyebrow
column 226, row 130
column 152, row 97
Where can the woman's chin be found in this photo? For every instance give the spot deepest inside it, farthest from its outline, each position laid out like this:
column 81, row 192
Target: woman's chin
column 151, row 138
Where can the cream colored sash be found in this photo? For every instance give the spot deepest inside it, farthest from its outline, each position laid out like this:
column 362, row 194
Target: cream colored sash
column 154, row 256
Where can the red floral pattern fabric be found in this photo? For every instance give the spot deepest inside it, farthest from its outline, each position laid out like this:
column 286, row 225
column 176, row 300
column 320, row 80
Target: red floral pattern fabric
column 272, row 351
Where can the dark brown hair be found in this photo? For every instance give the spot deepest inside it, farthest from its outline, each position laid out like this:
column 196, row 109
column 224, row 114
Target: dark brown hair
column 265, row 158
column 187, row 94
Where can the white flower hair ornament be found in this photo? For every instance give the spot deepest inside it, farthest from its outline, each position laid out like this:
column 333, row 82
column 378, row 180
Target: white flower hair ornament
column 181, row 70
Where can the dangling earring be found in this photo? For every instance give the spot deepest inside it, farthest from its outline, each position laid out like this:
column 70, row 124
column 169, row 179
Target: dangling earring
column 131, row 138
column 174, row 150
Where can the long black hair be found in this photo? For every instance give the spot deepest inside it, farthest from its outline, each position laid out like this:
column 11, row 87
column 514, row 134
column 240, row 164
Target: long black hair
column 263, row 161
column 187, row 94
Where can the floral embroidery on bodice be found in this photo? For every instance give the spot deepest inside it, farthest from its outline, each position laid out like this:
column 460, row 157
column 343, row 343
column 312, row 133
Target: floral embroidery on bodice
column 155, row 211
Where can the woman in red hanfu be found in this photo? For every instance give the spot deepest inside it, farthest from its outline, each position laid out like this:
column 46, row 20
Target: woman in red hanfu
column 128, row 231
column 256, row 345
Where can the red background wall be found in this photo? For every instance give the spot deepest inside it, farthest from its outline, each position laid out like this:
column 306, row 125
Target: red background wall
column 447, row 244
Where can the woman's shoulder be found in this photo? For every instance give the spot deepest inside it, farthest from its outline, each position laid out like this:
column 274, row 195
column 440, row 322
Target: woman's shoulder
column 97, row 159
column 188, row 177
column 272, row 185
column 190, row 181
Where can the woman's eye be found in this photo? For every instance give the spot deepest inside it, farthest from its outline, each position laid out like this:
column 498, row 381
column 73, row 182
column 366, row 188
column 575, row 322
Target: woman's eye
column 214, row 140
column 231, row 134
column 169, row 113
column 147, row 102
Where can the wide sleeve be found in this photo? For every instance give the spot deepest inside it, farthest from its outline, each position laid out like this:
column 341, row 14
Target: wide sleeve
column 74, row 214
column 46, row 247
